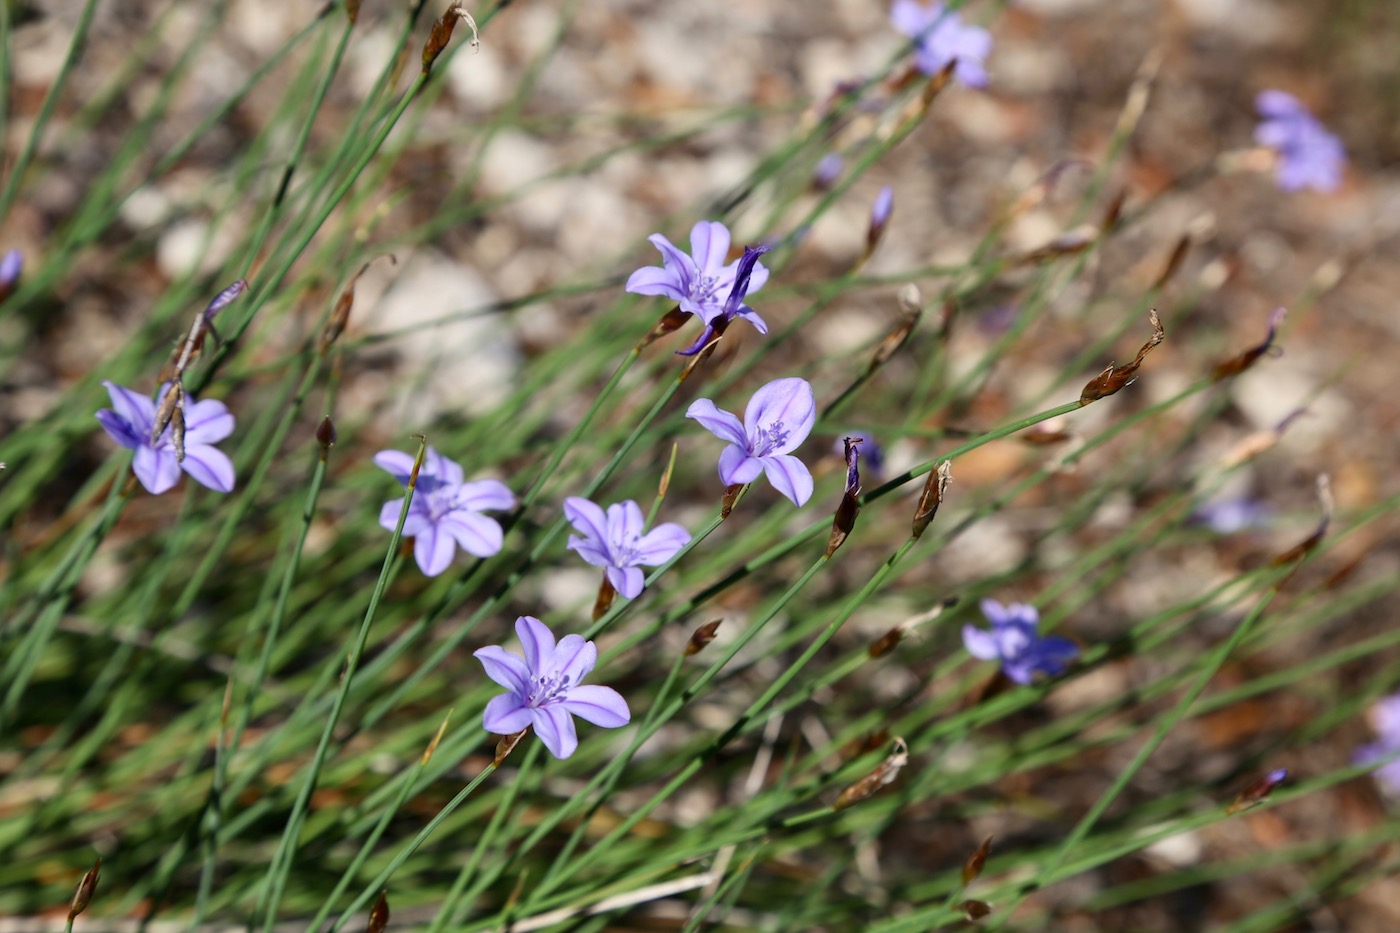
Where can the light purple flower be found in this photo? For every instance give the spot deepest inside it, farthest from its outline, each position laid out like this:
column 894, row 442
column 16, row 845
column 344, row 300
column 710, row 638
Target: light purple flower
column 1227, row 516
column 828, row 169
column 616, row 541
column 1309, row 156
column 940, row 37
column 446, row 512
column 1385, row 719
column 544, row 688
column 704, row 285
column 11, row 264
column 1014, row 642
column 130, row 421
column 777, row 420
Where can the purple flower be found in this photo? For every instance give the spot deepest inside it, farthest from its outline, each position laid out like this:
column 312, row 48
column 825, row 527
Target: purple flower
column 616, row 541
column 11, row 264
column 446, row 512
column 704, row 285
column 940, row 37
column 130, row 420
column 544, row 688
column 777, row 420
column 1385, row 719
column 1014, row 642
column 828, row 170
column 1309, row 156
column 1227, row 516
column 873, row 453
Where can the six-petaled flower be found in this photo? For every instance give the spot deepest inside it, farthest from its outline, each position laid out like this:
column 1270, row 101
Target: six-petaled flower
column 1014, row 642
column 544, row 688
column 777, row 420
column 1308, row 155
column 616, row 541
column 702, row 283
column 940, row 37
column 156, row 464
column 446, row 511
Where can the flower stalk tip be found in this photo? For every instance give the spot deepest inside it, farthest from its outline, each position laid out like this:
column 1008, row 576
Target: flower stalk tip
column 87, row 887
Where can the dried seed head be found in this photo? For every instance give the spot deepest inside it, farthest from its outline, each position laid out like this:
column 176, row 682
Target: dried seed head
column 1114, row 378
column 895, row 339
column 379, row 914
column 86, row 888
column 932, row 496
column 886, row 642
column 325, row 433
column 883, row 775
column 670, row 322
column 972, row 868
column 1239, row 363
column 507, row 745
column 442, row 34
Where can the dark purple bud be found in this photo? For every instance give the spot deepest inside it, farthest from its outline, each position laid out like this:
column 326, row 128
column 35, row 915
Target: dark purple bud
column 827, row 171
column 880, row 213
column 1258, row 791
column 86, row 888
column 1238, row 364
column 325, row 433
column 379, row 914
column 741, row 279
column 225, row 298
column 700, row 343
column 11, row 265
column 853, row 464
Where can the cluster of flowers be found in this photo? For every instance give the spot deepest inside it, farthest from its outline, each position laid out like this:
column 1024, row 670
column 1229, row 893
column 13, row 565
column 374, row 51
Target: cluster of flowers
column 544, row 687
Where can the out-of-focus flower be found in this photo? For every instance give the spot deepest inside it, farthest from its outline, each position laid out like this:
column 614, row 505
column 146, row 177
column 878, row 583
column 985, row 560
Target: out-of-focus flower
column 616, row 541
column 1385, row 719
column 828, row 170
column 880, row 213
column 11, row 265
column 871, row 453
column 701, row 283
column 544, row 688
column 1308, row 155
column 1227, row 516
column 1014, row 642
column 777, row 420
column 130, row 420
column 446, row 511
column 940, row 37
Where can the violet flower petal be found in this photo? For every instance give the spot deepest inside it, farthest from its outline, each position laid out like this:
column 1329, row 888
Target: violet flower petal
column 158, row 470
column 709, row 245
column 555, row 727
column 207, row 422
column 790, row 477
column 601, row 706
column 506, row 714
column 536, row 640
column 136, row 409
column 504, row 668
column 628, row 581
column 736, row 467
column 209, row 466
column 479, row 535
column 433, row 549
column 721, row 424
column 788, row 402
column 121, row 430
column 654, row 280
column 573, row 658
column 661, row 544
column 980, row 644
column 397, row 463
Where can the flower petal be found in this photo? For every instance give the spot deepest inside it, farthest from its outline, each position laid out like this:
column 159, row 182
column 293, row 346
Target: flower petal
column 602, row 706
column 628, row 581
column 1054, row 651
column 786, row 401
column 156, row 469
column 681, row 266
column 1020, row 671
column 994, row 612
column 537, row 641
column 397, row 463
column 573, row 658
column 433, row 549
column 624, row 521
column 790, row 477
column 209, row 466
column 135, row 409
column 504, row 668
column 479, row 535
column 750, row 315
column 120, row 430
column 506, row 714
column 449, row 471
column 737, row 467
column 709, row 245
column 482, row 494
column 207, row 422
column 721, row 424
column 661, row 543
column 588, row 520
column 555, row 727
column 910, row 17
column 979, row 643
column 1277, row 104
column 655, row 280
column 591, row 552
column 389, row 517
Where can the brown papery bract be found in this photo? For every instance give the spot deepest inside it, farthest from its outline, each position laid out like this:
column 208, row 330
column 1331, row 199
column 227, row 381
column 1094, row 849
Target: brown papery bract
column 1116, row 377
column 883, row 775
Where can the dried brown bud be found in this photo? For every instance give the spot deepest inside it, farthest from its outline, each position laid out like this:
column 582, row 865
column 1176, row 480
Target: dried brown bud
column 1066, row 244
column 1113, row 212
column 177, row 431
column 1114, row 378
column 442, row 34
column 702, row 637
column 974, row 910
column 670, row 322
column 886, row 642
column 86, row 888
column 1309, row 544
column 379, row 914
column 1257, row 791
column 507, row 745
column 883, row 775
column 325, row 433
column 972, row 868
column 730, row 499
column 894, row 340
column 1238, row 364
column 932, row 496
column 845, row 519
column 606, row 595
column 352, row 10
column 174, row 397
